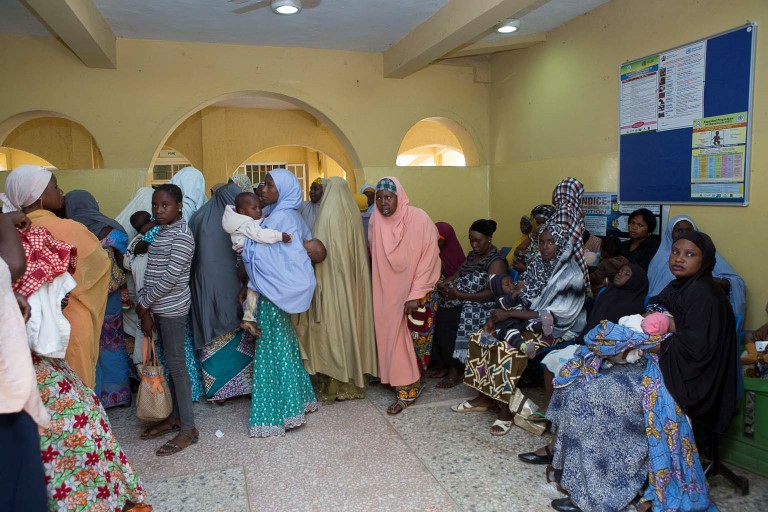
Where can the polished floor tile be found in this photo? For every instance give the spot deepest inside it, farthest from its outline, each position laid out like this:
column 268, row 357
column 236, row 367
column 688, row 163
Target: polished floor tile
column 352, row 456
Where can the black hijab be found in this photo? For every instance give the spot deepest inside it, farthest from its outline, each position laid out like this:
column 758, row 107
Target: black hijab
column 618, row 301
column 699, row 361
column 214, row 282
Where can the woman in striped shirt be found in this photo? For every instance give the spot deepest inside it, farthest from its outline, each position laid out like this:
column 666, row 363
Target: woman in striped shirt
column 164, row 303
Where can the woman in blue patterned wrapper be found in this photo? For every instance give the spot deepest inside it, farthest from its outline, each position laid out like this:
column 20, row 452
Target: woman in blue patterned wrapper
column 643, row 432
column 283, row 276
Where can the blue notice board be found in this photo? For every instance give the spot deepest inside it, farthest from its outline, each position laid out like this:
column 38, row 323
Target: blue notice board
column 685, row 122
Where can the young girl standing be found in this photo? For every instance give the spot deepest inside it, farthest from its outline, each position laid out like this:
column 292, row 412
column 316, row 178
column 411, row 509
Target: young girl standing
column 164, row 303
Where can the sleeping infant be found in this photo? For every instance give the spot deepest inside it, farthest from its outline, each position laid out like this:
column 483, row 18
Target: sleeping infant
column 655, row 324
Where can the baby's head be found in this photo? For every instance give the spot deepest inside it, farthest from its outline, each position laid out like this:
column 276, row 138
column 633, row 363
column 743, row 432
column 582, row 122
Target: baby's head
column 247, row 203
column 655, row 324
column 315, row 250
column 610, row 248
column 140, row 221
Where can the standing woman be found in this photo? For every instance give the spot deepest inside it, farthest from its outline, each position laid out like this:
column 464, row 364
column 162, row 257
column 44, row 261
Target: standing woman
column 406, row 267
column 283, row 276
column 164, row 303
column 642, row 244
column 336, row 334
column 192, row 185
column 227, row 350
column 112, row 371
column 35, row 191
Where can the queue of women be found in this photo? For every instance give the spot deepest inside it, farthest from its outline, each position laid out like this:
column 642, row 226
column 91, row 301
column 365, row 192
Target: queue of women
column 353, row 289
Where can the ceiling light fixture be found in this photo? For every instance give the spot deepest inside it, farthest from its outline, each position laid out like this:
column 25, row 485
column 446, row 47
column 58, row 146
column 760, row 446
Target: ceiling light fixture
column 286, row 7
column 508, row 26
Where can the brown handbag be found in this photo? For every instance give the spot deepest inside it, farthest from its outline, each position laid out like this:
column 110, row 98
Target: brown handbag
column 153, row 402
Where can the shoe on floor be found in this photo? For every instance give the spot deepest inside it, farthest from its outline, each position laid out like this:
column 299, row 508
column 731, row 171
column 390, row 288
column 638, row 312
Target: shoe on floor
column 565, row 505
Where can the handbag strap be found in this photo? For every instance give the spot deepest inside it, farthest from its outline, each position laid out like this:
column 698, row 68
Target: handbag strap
column 149, row 351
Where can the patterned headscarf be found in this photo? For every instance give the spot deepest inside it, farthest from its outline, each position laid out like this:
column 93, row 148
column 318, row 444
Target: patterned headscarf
column 386, row 184
column 568, row 214
column 318, row 181
column 242, row 181
column 539, row 271
column 543, row 210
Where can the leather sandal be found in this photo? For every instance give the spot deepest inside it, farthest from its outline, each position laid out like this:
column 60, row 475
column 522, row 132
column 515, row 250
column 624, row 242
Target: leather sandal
column 171, row 448
column 154, row 431
column 502, row 426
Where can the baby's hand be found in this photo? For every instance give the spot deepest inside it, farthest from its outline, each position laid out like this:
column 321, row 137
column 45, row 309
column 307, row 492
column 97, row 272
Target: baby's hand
column 287, row 238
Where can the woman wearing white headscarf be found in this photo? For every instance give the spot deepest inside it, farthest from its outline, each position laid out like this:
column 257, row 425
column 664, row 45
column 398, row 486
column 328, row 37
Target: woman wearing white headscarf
column 192, row 185
column 35, row 191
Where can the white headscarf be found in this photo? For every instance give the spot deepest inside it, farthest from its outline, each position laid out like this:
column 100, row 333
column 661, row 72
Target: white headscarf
column 192, row 185
column 142, row 201
column 24, row 186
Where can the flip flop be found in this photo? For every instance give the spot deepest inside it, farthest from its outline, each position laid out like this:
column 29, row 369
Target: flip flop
column 503, row 427
column 465, row 406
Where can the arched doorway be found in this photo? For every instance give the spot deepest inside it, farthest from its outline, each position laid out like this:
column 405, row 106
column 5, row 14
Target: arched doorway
column 47, row 137
column 437, row 141
column 225, row 132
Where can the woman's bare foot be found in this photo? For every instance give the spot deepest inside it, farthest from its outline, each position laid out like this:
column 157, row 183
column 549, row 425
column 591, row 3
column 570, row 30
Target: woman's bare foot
column 252, row 327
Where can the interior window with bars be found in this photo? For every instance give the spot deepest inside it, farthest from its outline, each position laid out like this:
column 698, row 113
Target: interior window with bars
column 257, row 172
column 162, row 173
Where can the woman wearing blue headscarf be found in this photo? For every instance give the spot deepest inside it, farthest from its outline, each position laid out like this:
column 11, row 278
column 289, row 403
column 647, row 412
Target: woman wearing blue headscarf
column 660, row 276
column 283, row 276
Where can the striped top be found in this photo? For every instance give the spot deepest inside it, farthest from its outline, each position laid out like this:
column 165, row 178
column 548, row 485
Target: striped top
column 166, row 281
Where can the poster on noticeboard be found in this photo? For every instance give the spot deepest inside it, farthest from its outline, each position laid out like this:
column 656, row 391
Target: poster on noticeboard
column 605, row 216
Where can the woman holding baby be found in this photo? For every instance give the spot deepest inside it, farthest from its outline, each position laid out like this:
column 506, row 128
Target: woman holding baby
column 282, row 275
column 637, row 429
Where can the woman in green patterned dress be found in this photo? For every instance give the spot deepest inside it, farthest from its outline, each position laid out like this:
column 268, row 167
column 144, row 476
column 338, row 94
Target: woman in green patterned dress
column 283, row 276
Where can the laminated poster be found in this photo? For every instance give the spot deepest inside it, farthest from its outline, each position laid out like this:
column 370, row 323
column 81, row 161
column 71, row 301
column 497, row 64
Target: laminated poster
column 681, row 86
column 638, row 95
column 718, row 156
column 604, row 215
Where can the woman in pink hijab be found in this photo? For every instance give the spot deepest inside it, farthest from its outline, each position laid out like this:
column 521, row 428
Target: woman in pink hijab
column 405, row 267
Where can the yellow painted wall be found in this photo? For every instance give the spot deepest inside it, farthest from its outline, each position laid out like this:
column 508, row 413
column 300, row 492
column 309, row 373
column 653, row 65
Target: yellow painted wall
column 456, row 195
column 11, row 158
column 554, row 114
column 67, row 145
column 131, row 111
column 113, row 188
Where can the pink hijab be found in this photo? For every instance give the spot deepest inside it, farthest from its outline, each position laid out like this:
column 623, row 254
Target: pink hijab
column 406, row 266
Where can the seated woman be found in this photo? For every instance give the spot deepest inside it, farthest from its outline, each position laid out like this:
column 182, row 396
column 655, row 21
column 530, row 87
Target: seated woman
column 522, row 245
column 660, row 276
column 642, row 432
column 552, row 297
column 751, row 356
column 642, row 244
column 468, row 291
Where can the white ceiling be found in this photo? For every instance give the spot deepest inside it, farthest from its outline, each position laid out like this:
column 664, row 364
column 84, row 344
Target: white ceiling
column 354, row 25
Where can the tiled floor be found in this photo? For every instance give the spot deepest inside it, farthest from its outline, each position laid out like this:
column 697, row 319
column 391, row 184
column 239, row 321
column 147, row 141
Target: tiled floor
column 351, row 456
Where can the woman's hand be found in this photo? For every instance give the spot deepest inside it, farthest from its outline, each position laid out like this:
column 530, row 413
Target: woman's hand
column 451, row 293
column 489, row 327
column 141, row 310
column 242, row 294
column 20, row 220
column 26, row 311
column 411, row 306
column 147, row 324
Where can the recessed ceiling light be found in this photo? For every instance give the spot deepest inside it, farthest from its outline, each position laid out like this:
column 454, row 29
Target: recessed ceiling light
column 508, row 26
column 286, row 7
